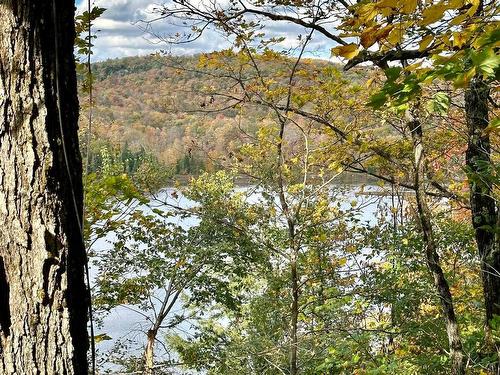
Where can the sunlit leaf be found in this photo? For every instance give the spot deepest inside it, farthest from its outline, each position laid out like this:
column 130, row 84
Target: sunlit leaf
column 433, row 13
column 102, row 337
column 463, row 79
column 409, row 6
column 388, row 4
column 348, row 51
column 396, row 35
column 439, row 103
column 458, row 19
column 486, row 62
column 368, row 37
column 459, row 39
column 425, row 42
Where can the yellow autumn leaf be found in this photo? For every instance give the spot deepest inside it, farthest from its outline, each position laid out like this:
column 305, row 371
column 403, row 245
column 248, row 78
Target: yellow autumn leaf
column 101, row 337
column 459, row 39
column 350, row 34
column 427, row 308
column 455, row 4
column 463, row 79
column 409, row 6
column 446, row 39
column 396, row 35
column 366, row 13
column 412, row 67
column 368, row 37
column 433, row 13
column 458, row 19
column 387, row 7
column 472, row 10
column 477, row 43
column 399, row 352
column 387, row 12
column 351, row 249
column 429, row 79
column 386, row 266
column 383, row 32
column 387, row 4
column 348, row 51
column 425, row 42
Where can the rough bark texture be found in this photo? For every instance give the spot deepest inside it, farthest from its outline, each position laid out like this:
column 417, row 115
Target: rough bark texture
column 482, row 202
column 43, row 304
column 432, row 256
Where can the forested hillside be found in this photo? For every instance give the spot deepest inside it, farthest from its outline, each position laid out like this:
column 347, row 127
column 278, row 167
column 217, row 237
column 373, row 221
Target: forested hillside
column 171, row 107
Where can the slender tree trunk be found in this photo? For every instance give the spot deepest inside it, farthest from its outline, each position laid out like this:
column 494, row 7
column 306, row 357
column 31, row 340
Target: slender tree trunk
column 395, row 209
column 483, row 204
column 432, row 257
column 43, row 309
column 149, row 352
column 294, row 278
column 294, row 316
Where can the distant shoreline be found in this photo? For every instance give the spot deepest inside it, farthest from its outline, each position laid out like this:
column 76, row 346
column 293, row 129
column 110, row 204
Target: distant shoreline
column 346, row 178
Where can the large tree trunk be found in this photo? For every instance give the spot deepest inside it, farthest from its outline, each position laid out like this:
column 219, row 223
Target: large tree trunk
column 43, row 304
column 482, row 202
column 432, row 257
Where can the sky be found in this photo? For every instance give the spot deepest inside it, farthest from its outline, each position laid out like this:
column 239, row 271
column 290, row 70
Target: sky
column 119, row 32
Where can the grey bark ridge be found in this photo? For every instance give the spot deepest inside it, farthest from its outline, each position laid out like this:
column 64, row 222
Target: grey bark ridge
column 43, row 298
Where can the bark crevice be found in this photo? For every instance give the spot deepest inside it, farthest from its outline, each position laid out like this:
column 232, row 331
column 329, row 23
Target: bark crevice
column 4, row 301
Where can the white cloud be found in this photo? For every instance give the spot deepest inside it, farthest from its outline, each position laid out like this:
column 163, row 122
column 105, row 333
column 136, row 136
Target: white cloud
column 121, row 33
